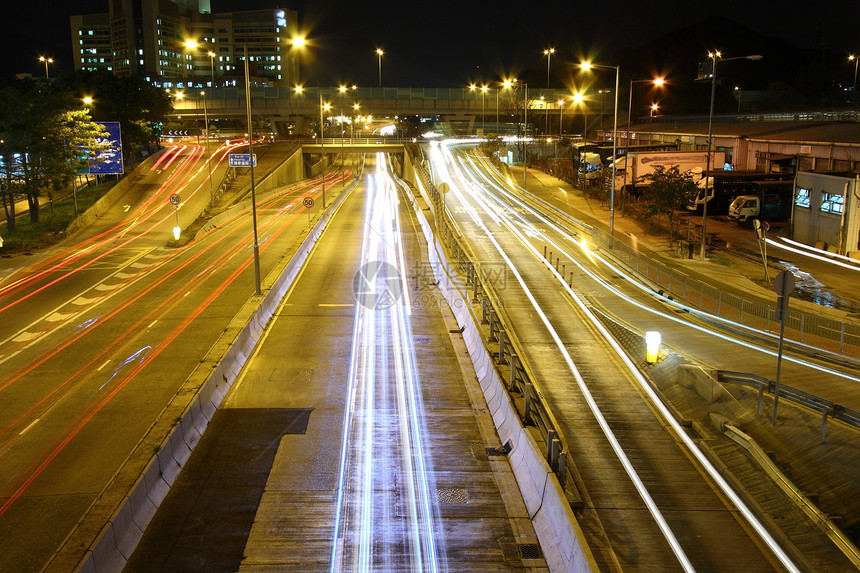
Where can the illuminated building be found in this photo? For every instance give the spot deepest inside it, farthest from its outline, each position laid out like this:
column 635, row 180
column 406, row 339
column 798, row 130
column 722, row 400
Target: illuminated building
column 149, row 37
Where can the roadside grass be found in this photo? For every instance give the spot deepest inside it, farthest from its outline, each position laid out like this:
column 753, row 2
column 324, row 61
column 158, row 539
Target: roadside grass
column 51, row 228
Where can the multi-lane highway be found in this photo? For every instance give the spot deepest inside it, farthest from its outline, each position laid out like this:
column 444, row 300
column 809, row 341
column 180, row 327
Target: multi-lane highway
column 101, row 331
column 360, row 401
column 654, row 500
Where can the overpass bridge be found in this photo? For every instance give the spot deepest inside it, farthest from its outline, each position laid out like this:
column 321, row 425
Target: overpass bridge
column 286, row 106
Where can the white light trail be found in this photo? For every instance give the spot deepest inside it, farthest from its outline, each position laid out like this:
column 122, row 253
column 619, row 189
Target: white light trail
column 592, row 404
column 382, row 367
column 634, row 281
column 678, row 430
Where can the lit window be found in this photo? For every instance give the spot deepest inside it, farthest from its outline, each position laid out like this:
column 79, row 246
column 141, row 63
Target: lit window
column 832, row 203
column 802, row 199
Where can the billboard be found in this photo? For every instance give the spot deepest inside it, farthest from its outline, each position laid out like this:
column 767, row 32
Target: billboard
column 109, row 159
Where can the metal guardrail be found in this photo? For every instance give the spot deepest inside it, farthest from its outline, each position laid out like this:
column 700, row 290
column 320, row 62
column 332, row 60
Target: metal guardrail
column 827, row 408
column 825, row 333
column 521, row 383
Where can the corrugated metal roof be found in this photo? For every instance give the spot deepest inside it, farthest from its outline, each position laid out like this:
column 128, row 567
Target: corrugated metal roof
column 801, row 131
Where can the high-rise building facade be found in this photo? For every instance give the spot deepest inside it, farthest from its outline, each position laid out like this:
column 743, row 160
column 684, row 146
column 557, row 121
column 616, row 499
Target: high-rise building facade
column 153, row 38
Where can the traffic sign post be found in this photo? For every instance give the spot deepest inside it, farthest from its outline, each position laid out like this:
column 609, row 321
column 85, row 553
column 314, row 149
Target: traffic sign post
column 308, row 203
column 241, row 160
column 175, row 200
column 783, row 284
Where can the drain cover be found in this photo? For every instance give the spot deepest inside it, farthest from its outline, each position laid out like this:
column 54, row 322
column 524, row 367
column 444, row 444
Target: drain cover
column 451, row 495
column 530, row 551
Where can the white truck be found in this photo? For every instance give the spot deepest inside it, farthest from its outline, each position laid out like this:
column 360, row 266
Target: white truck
column 630, row 169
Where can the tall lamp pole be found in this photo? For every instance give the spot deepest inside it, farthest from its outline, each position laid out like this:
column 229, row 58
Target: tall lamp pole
column 852, row 57
column 253, row 194
column 713, row 57
column 51, row 61
column 208, row 151
column 379, row 53
column 586, row 66
column 657, row 82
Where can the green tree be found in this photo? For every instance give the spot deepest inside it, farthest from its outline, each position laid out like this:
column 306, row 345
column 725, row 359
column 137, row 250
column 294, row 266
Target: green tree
column 668, row 191
column 43, row 132
column 139, row 107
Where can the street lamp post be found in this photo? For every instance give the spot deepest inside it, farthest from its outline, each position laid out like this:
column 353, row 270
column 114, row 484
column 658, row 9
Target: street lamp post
column 251, row 155
column 713, row 57
column 580, row 98
column 548, row 53
column 586, row 66
column 323, row 108
column 298, row 43
column 51, row 61
column 738, row 89
column 525, row 134
column 211, row 55
column 379, row 53
column 856, row 61
column 657, row 82
column 654, row 107
column 208, row 151
column 483, row 93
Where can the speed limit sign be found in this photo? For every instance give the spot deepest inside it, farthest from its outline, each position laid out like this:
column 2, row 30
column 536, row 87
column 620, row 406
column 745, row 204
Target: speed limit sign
column 175, row 199
column 309, row 202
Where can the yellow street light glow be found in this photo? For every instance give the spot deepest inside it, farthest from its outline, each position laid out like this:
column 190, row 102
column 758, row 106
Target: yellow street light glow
column 652, row 345
column 379, row 51
column 191, row 44
column 87, row 100
column 299, row 42
column 176, row 233
column 659, row 81
column 578, row 97
column 342, row 89
column 299, row 89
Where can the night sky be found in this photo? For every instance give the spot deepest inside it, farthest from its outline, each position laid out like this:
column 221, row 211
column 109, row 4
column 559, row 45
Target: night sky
column 446, row 43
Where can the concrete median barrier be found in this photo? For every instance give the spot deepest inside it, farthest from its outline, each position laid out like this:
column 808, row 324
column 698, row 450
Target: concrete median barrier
column 119, row 537
column 563, row 544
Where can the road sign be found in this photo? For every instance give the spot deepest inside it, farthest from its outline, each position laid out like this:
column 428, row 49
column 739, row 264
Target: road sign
column 175, row 199
column 241, row 160
column 308, row 202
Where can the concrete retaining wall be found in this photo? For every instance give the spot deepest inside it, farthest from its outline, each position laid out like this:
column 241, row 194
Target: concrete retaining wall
column 110, row 198
column 561, row 539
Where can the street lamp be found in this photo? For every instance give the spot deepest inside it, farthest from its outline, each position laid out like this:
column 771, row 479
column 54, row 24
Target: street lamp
column 51, row 61
column 208, row 151
column 579, row 97
column 856, row 60
column 298, row 43
column 548, row 53
column 657, row 82
column 738, row 89
column 323, row 108
column 713, row 57
column 654, row 107
column 251, row 156
column 588, row 66
column 483, row 93
column 379, row 53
